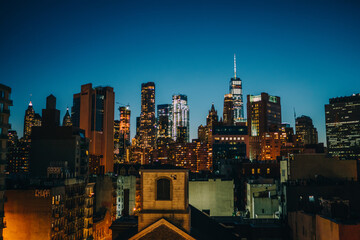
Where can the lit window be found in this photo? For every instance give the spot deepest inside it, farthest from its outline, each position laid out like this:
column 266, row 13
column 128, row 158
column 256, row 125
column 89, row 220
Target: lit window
column 268, row 170
column 258, row 170
column 253, row 171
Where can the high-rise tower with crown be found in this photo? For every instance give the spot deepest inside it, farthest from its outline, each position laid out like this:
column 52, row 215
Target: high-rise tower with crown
column 236, row 91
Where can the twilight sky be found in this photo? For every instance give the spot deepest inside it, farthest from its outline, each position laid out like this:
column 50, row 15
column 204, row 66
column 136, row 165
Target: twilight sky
column 302, row 51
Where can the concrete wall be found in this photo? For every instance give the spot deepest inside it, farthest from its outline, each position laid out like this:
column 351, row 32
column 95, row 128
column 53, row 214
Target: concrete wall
column 178, row 193
column 27, row 216
column 265, row 207
column 327, row 229
column 176, row 209
column 302, row 225
column 214, row 195
column 252, row 188
column 306, row 166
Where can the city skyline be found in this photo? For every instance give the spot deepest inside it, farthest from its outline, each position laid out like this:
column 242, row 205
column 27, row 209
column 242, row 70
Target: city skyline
column 306, row 60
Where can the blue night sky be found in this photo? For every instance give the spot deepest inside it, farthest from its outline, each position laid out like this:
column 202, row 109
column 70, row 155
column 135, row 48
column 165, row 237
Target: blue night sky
column 302, row 51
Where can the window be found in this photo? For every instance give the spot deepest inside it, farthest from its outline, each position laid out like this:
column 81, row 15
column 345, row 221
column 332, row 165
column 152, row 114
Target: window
column 268, row 170
column 253, row 171
column 258, row 170
column 163, row 189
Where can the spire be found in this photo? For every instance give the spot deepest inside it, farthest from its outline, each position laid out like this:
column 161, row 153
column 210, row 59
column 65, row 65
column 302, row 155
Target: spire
column 30, row 103
column 235, row 65
column 212, row 107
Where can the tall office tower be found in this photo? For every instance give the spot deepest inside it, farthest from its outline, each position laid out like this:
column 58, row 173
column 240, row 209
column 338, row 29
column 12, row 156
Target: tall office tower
column 124, row 125
column 5, row 104
column 205, row 132
column 306, row 130
column 342, row 116
column 263, row 114
column 147, row 132
column 116, row 140
column 123, row 134
column 181, row 116
column 236, row 91
column 67, row 119
column 212, row 118
column 31, row 119
column 228, row 112
column 263, row 117
column 164, row 120
column 18, row 154
column 93, row 111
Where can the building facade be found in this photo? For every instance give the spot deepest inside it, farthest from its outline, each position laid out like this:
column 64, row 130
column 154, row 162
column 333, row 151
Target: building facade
column 147, row 134
column 164, row 121
column 342, row 116
column 5, row 103
column 67, row 119
column 181, row 117
column 228, row 112
column 305, row 130
column 93, row 111
column 31, row 119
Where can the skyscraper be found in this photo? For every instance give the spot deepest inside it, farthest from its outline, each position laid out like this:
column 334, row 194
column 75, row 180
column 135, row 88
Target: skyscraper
column 228, row 112
column 147, row 118
column 164, row 120
column 342, row 116
column 5, row 104
column 67, row 119
column 306, row 130
column 123, row 133
column 263, row 113
column 237, row 94
column 263, row 117
column 124, row 124
column 93, row 111
column 31, row 119
column 181, row 116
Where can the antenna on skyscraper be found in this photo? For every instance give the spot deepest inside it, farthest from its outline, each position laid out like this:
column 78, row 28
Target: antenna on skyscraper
column 235, row 65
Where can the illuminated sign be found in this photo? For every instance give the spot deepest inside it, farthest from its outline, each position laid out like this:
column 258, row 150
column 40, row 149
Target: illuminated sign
column 255, row 98
column 272, row 99
column 42, row 193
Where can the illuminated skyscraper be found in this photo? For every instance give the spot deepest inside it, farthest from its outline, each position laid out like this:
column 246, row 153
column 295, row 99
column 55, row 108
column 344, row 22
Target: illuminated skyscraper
column 147, row 118
column 93, row 111
column 263, row 114
column 237, row 94
column 124, row 125
column 67, row 119
column 306, row 130
column 180, row 116
column 228, row 112
column 263, row 117
column 164, row 120
column 31, row 119
column 342, row 117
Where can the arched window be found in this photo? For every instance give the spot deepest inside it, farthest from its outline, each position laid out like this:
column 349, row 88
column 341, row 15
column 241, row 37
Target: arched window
column 163, row 189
